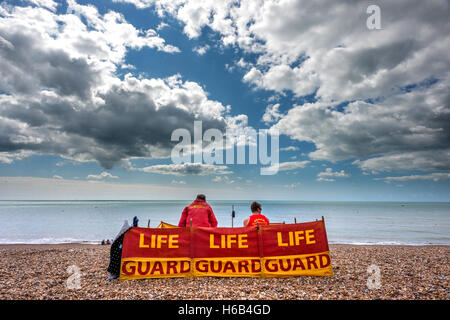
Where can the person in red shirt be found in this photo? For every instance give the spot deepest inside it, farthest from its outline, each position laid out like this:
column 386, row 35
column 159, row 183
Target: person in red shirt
column 200, row 212
column 256, row 217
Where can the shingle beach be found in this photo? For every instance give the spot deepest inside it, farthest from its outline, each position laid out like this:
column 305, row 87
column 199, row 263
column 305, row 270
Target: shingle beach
column 406, row 272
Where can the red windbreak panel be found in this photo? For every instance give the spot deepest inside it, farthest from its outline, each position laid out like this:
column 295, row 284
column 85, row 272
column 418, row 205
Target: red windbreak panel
column 156, row 243
column 225, row 242
column 294, row 239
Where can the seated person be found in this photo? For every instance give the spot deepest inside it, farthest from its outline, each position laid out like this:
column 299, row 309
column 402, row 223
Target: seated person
column 256, row 217
column 200, row 212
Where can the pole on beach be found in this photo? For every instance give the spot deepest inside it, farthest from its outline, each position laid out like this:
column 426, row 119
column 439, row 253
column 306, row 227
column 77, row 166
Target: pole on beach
column 148, row 224
column 232, row 215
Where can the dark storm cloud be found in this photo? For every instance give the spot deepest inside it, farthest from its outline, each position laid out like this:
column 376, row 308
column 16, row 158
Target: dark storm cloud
column 26, row 67
column 59, row 93
column 124, row 126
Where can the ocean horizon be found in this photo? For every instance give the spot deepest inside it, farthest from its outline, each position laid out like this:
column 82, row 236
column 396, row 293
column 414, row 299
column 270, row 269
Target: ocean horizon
column 347, row 222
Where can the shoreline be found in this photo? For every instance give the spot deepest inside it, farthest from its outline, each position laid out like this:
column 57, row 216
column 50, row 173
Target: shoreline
column 78, row 244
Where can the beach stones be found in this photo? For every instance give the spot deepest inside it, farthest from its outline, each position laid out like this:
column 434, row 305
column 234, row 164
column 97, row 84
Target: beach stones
column 406, row 272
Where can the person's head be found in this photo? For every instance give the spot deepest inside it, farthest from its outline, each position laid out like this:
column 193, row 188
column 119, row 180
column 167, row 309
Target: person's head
column 201, row 197
column 256, row 207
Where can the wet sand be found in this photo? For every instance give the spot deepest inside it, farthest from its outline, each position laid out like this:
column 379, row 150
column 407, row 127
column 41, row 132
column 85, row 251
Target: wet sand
column 406, row 272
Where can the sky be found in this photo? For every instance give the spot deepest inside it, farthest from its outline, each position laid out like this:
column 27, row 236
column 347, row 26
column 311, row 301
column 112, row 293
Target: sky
column 91, row 93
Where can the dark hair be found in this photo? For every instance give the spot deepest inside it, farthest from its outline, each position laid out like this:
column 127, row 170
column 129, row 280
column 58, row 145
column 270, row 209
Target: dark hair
column 255, row 206
column 201, row 197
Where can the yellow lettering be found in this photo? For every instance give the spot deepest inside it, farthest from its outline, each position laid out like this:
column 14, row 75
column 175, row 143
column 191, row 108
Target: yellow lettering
column 231, row 239
column 161, row 239
column 173, row 241
column 211, row 242
column 280, row 240
column 298, row 236
column 242, row 240
column 223, row 242
column 141, row 241
column 309, row 236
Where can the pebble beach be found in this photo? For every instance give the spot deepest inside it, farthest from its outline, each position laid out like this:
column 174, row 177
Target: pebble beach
column 406, row 272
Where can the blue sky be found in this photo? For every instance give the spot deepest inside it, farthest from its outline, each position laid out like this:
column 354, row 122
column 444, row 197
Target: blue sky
column 91, row 91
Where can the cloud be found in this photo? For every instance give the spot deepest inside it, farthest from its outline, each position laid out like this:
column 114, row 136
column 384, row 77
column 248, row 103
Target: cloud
column 382, row 95
column 49, row 4
column 102, row 175
column 60, row 94
column 272, row 113
column 185, row 169
column 407, row 131
column 302, row 50
column 201, row 50
column 178, row 182
column 322, row 179
column 290, row 148
column 329, row 173
column 414, row 160
column 432, row 176
column 292, row 185
column 161, row 26
column 224, row 179
column 30, row 188
column 288, row 166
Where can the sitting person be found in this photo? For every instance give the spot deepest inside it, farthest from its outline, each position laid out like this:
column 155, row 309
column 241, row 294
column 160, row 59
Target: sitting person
column 256, row 217
column 200, row 212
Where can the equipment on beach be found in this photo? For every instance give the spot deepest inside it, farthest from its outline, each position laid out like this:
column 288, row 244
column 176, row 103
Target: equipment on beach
column 274, row 250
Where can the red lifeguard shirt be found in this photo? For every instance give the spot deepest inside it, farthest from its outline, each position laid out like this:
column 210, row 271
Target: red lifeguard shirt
column 258, row 219
column 201, row 214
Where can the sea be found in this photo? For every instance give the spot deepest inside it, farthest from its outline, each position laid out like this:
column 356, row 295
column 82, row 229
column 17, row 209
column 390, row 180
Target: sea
column 360, row 223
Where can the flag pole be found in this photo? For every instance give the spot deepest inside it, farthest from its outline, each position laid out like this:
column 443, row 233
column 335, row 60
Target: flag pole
column 232, row 215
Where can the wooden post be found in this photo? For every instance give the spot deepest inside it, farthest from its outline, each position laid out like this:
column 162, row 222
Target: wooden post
column 148, row 224
column 191, row 248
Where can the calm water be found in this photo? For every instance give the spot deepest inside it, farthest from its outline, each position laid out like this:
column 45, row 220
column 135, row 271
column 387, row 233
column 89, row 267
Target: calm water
column 346, row 222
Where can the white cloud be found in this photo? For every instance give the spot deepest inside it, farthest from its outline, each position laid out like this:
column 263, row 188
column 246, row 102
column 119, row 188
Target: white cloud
column 161, row 26
column 49, row 4
column 201, row 50
column 288, row 166
column 224, row 179
column 272, row 113
column 337, row 58
column 403, row 131
column 103, row 175
column 185, row 169
column 322, row 179
column 31, row 188
column 432, row 176
column 290, row 148
column 63, row 96
column 301, row 49
column 330, row 173
column 292, row 185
